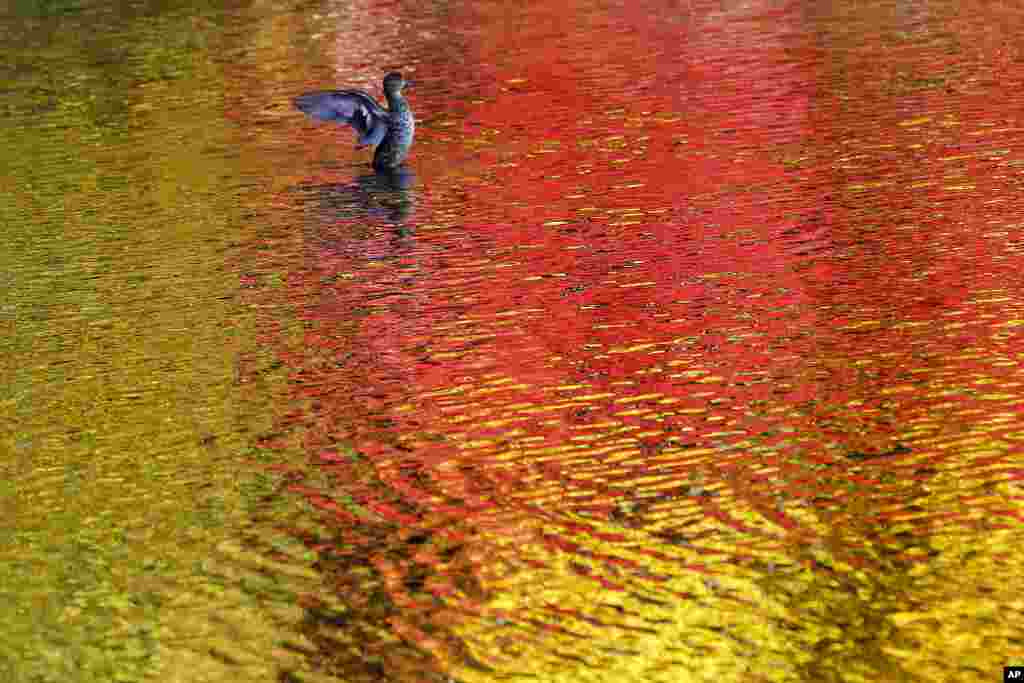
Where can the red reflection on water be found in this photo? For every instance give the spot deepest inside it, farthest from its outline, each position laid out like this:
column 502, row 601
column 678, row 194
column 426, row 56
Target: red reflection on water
column 755, row 265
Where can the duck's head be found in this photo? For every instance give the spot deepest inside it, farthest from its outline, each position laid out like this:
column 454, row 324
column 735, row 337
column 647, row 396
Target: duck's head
column 393, row 83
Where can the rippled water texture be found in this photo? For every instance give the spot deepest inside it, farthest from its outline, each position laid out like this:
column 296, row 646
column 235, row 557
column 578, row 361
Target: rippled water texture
column 687, row 346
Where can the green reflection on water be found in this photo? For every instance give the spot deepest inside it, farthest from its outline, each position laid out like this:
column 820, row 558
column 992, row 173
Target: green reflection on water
column 121, row 421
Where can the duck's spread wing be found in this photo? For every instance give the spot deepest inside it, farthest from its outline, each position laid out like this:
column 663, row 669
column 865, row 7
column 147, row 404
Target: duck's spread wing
column 353, row 107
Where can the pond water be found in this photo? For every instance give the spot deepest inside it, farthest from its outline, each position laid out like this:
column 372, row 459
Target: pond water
column 687, row 346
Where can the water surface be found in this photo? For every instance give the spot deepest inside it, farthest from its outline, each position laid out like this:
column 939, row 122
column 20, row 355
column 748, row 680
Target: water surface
column 686, row 347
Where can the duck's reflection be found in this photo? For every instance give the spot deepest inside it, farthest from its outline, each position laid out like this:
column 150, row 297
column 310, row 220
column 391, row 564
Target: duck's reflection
column 364, row 210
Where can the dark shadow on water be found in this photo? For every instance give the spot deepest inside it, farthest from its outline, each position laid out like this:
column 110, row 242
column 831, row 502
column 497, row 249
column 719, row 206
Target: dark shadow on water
column 340, row 213
column 380, row 196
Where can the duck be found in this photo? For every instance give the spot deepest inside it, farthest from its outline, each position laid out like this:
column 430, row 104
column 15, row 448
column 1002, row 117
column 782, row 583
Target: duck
column 391, row 130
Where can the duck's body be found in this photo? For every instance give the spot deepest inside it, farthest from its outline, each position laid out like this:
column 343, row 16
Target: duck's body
column 391, row 130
